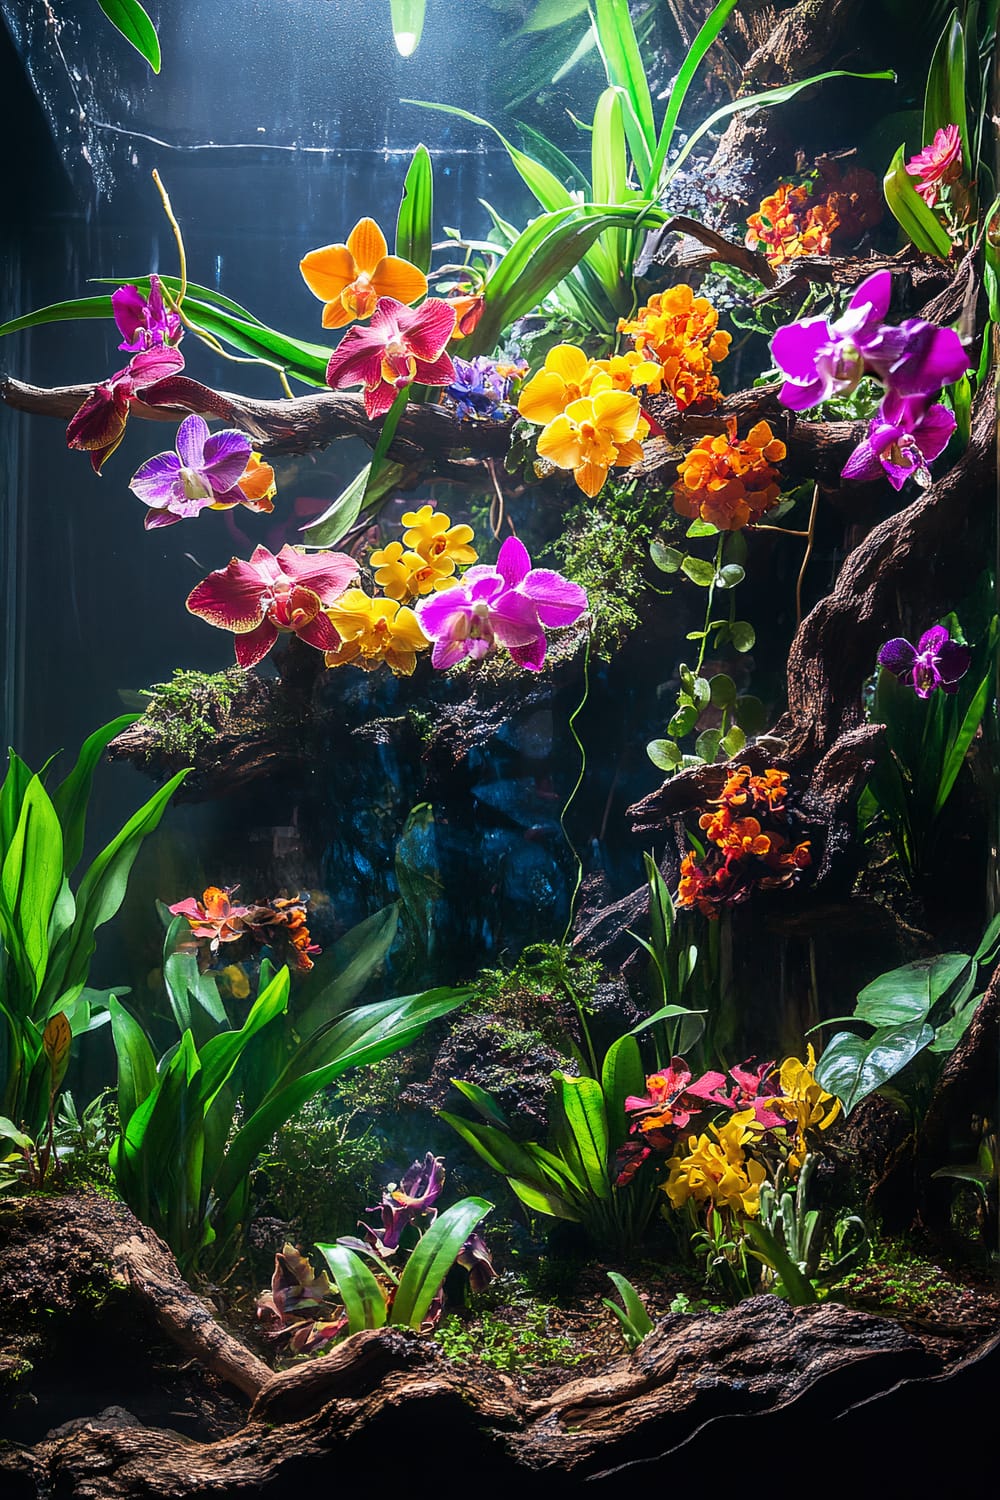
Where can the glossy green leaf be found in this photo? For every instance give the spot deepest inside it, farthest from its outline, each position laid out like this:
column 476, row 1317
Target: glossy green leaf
column 852, row 1067
column 550, row 13
column 742, row 635
column 581, row 1129
column 480, row 1100
column 723, row 691
column 945, row 98
column 609, row 175
column 333, row 525
column 665, row 754
column 619, row 49
column 706, row 746
column 622, row 1075
column 700, row 571
column 11, row 796
column 415, row 220
column 407, row 24
column 128, row 17
column 665, row 1013
column 546, row 187
column 958, row 748
column 72, row 796
column 919, row 223
column 909, row 993
column 32, row 877
column 361, row 1294
column 432, row 1258
column 342, row 972
column 667, row 559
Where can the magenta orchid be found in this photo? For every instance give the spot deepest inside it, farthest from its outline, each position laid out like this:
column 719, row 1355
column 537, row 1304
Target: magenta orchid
column 937, row 164
column 751, row 1088
column 145, row 322
column 399, row 346
column 510, row 605
column 99, row 425
column 268, row 596
column 204, row 471
column 903, row 438
column 936, row 661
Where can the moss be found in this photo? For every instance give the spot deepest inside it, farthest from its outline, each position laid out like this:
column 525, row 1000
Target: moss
column 605, row 549
column 192, row 707
column 531, row 1001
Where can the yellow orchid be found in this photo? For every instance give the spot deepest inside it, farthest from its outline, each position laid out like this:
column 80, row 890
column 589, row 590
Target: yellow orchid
column 373, row 631
column 401, row 575
column 565, row 377
column 625, row 371
column 594, row 433
column 349, row 279
column 719, row 1171
column 804, row 1103
column 441, row 545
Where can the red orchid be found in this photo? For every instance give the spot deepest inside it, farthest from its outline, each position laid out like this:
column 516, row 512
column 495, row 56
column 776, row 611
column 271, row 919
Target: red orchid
column 99, row 425
column 672, row 1098
column 400, row 345
column 753, row 1090
column 268, row 595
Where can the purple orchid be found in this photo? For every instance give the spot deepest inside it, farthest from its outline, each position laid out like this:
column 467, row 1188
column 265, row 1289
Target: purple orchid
column 821, row 359
column 144, row 322
column 904, row 437
column 936, row 661
column 481, row 387
column 417, row 1194
column 510, row 605
column 204, row 471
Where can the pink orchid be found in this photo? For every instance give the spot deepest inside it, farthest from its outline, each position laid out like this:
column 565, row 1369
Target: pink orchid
column 938, row 163
column 400, row 345
column 99, row 425
column 269, row 595
column 145, row 322
column 754, row 1089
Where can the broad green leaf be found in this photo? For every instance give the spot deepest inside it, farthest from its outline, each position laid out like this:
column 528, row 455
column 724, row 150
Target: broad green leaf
column 11, row 797
column 945, row 99
column 407, row 24
column 432, row 1258
column 415, row 221
column 619, row 49
column 909, row 993
column 136, row 1062
column 664, row 754
column 635, row 1310
column 351, row 961
column 919, row 223
column 32, row 877
column 700, row 571
column 493, row 1146
column 361, row 1294
column 544, row 1200
column 334, row 524
column 622, row 1074
column 948, row 1035
column 481, row 1101
column 222, row 1052
column 742, row 635
column 546, row 187
column 852, row 1067
column 667, row 559
column 665, row 1013
column 692, row 62
column 72, row 796
column 128, row 17
column 797, row 1287
column 581, row 1128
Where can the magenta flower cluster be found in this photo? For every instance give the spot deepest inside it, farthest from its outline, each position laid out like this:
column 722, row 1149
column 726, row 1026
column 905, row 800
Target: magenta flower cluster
column 914, row 360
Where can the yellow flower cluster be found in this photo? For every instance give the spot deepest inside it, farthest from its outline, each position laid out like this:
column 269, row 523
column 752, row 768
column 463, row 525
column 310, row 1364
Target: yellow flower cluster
column 719, row 1171
column 680, row 333
column 383, row 628
column 591, row 421
column 804, row 1103
column 426, row 558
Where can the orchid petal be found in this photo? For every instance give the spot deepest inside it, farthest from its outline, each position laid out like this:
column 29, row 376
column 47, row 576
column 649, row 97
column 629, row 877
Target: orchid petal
column 191, row 437
column 557, row 601
column 531, row 656
column 328, row 270
column 328, row 574
column 253, row 646
column 440, row 371
column 321, row 633
column 225, row 458
column 158, row 480
column 513, row 562
column 154, row 364
column 378, row 399
column 357, row 359
column 428, row 329
column 231, row 598
column 394, row 277
column 367, row 245
column 897, row 656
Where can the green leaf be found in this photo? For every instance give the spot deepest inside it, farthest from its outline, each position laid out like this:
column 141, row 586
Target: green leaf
column 683, row 721
column 362, row 491
column 136, row 1062
column 742, row 635
column 361, row 1294
column 731, row 575
column 699, row 570
column 11, row 797
column 31, row 880
column 581, row 1130
column 945, row 98
column 415, row 221
column 797, row 1287
column 481, row 1101
column 723, row 691
column 550, row 13
column 622, row 1075
column 128, row 17
column 664, row 754
column 546, row 187
column 407, row 24
column 692, row 62
column 701, row 528
column 706, row 746
column 733, row 741
column 609, row 178
column 72, row 796
column 635, row 1309
column 667, row 559
column 665, row 1013
column 919, row 223
column 619, row 49
column 751, row 715
column 852, row 1067
column 909, row 993
column 957, row 749
column 352, row 961
column 432, row 1258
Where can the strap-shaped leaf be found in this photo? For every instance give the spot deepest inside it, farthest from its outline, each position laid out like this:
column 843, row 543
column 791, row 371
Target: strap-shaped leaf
column 689, row 67
column 622, row 1074
column 351, row 961
column 415, row 220
column 129, row 18
column 136, row 1061
column 31, row 879
column 432, row 1258
column 945, row 101
column 72, row 796
column 582, row 1130
column 619, row 49
column 360, row 1292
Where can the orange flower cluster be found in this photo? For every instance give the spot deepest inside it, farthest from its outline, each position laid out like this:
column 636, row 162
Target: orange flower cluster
column 728, row 481
column 679, row 332
column 752, row 847
column 792, row 222
column 854, row 197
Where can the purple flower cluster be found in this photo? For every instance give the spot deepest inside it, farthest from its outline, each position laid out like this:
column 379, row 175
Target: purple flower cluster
column 481, row 387
column 913, row 360
column 509, row 605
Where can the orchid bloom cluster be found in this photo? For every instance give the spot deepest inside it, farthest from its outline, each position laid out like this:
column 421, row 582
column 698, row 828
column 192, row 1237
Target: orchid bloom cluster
column 774, row 1113
column 680, row 333
column 481, row 388
column 730, row 482
column 936, row 661
column 300, row 1309
column 805, row 220
column 206, row 471
column 217, row 919
column 591, row 422
column 752, row 844
column 913, row 360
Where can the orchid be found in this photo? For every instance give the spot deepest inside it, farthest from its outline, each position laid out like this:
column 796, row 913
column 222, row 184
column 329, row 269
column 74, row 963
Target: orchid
column 510, row 605
column 373, row 631
column 937, row 164
column 399, row 347
column 215, row 917
column 99, row 425
column 821, row 359
column 144, row 322
column 903, row 438
column 204, row 471
column 432, row 536
column 594, row 433
column 268, row 596
column 468, row 309
column 719, row 1171
column 401, row 1206
column 481, row 387
column 936, row 661
column 349, row 279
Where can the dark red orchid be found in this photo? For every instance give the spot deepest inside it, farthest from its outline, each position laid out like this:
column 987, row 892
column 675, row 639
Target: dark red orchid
column 99, row 425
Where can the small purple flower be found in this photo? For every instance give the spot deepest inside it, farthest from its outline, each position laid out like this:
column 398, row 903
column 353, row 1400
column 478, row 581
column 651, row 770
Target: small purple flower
column 510, row 605
column 821, row 359
column 481, row 387
column 204, row 471
column 936, row 661
column 144, row 322
column 904, row 437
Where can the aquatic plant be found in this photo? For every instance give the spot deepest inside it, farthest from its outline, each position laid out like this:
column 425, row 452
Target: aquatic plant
column 392, row 1276
column 633, row 1319
column 47, row 929
column 268, row 596
column 753, row 845
column 189, row 709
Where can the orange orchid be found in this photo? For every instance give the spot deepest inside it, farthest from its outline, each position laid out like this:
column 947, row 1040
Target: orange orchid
column 349, row 279
column 728, row 482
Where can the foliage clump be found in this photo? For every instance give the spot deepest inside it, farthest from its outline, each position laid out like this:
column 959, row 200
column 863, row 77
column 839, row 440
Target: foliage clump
column 507, row 1328
column 191, row 708
column 318, row 1177
column 605, row 550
